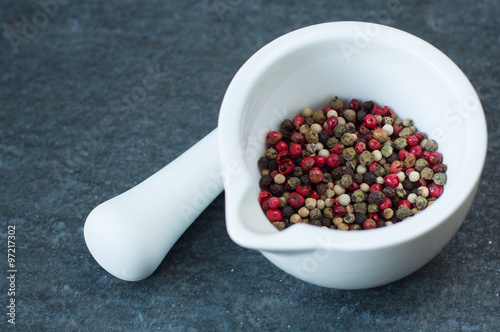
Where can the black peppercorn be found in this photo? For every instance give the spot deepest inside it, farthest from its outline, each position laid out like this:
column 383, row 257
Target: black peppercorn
column 376, row 197
column 273, row 165
column 407, row 184
column 360, row 115
column 358, row 178
column 326, row 222
column 316, row 222
column 263, row 162
column 265, row 181
column 277, row 189
column 337, row 173
column 304, row 179
column 360, row 218
column 389, row 192
column 287, row 211
column 324, row 137
column 369, row 178
column 287, row 124
column 368, row 105
column 392, row 158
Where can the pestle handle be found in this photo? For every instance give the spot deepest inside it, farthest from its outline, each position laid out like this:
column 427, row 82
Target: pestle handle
column 130, row 234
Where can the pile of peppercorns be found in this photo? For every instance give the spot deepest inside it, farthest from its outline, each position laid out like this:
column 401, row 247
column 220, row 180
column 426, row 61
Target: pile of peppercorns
column 351, row 168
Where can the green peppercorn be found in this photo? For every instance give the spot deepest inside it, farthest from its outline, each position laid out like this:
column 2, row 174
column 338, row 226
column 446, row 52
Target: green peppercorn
column 372, row 208
column 431, row 145
column 403, row 212
column 349, row 153
column 312, row 137
column 339, row 130
column 297, row 171
column 379, row 170
column 327, row 212
column 358, row 196
column 398, row 122
column 400, row 143
column 271, row 153
column 331, row 142
column 315, row 214
column 420, row 202
column 345, row 181
column 427, row 173
column 336, row 103
column 420, row 164
column 293, row 182
column 405, row 133
column 366, row 158
column 348, row 139
column 388, row 213
column 407, row 122
column 386, row 150
column 360, row 207
column 439, row 178
column 349, row 218
column 387, row 120
column 355, row 227
column 319, row 117
column 349, row 115
column 400, row 193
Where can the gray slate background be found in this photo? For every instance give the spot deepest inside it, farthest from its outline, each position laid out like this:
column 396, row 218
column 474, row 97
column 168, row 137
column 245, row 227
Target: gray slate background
column 69, row 140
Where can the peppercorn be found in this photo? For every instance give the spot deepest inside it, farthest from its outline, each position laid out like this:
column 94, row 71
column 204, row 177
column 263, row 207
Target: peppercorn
column 420, row 164
column 348, row 139
column 295, row 218
column 326, row 222
column 403, row 212
column 431, row 145
column 265, row 181
column 349, row 115
column 388, row 213
column 346, row 181
column 277, row 189
column 349, row 153
column 376, row 197
column 439, row 178
column 427, row 173
column 369, row 178
column 420, row 202
column 327, row 212
column 336, row 103
column 349, row 218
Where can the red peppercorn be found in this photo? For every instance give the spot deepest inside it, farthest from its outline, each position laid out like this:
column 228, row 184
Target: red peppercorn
column 273, row 137
column 360, row 147
column 439, row 168
column 339, row 210
column 303, row 190
column 298, row 121
column 397, row 129
column 274, row 215
column 298, row 138
column 370, row 121
column 416, row 150
column 435, row 190
column 396, row 166
column 373, row 167
column 274, row 173
column 295, row 150
column 435, row 158
column 402, row 154
column 329, row 131
column 332, row 122
column 265, row 205
column 409, row 170
column 387, row 203
column 354, row 186
column 285, row 167
column 392, row 180
column 295, row 200
column 337, row 148
column 421, row 182
column 363, row 130
column 333, row 160
column 426, row 155
column 369, row 224
column 315, row 175
column 283, row 155
column 412, row 140
column 373, row 216
column 405, row 202
column 375, row 187
column 314, row 194
column 420, row 135
column 354, row 104
column 281, row 146
column 327, row 109
column 379, row 110
column 319, row 161
column 307, row 163
column 264, row 196
column 373, row 144
column 273, row 202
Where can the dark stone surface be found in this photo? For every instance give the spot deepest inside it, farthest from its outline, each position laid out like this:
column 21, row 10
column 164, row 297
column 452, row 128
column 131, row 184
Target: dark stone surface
column 67, row 143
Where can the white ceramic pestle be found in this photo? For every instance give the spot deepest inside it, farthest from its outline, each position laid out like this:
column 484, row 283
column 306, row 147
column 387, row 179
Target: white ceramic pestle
column 130, row 234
